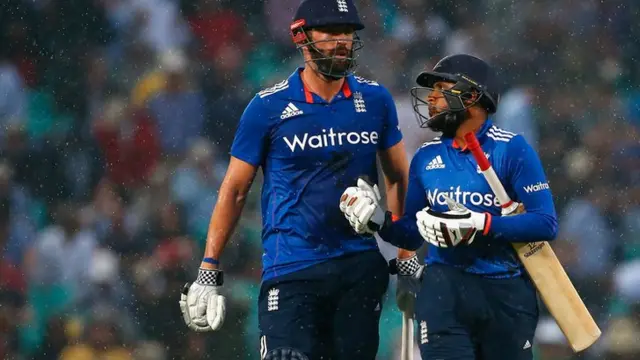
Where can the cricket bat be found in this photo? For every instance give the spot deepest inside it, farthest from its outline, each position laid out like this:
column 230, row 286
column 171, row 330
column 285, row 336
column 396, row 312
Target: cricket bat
column 544, row 268
column 406, row 350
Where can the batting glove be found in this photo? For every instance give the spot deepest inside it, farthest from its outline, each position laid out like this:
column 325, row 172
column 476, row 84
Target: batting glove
column 457, row 226
column 361, row 206
column 409, row 273
column 202, row 307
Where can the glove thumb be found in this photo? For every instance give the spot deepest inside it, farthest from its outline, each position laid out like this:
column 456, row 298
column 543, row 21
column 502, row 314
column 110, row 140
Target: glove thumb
column 454, row 205
column 367, row 186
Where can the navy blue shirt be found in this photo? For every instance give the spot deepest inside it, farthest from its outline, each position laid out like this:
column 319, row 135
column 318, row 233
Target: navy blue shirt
column 310, row 151
column 440, row 167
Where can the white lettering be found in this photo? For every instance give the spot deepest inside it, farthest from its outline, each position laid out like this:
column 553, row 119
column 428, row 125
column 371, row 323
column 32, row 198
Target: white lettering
column 340, row 135
column 296, row 142
column 328, row 138
column 365, row 137
column 464, row 197
column 315, row 141
column 374, row 137
column 476, row 199
column 351, row 139
column 332, row 135
column 536, row 187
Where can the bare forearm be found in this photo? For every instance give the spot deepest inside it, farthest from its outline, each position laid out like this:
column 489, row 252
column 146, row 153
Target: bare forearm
column 396, row 192
column 223, row 222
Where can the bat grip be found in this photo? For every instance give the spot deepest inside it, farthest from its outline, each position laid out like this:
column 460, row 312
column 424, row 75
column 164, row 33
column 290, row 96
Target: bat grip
column 487, row 170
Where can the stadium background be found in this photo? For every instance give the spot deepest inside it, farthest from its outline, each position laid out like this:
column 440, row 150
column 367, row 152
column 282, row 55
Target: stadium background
column 117, row 117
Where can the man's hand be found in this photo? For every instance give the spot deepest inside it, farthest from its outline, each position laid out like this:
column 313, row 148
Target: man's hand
column 202, row 307
column 361, row 206
column 409, row 271
column 457, row 226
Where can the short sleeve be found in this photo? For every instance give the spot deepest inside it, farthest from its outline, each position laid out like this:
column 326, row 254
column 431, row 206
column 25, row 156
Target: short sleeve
column 251, row 138
column 391, row 132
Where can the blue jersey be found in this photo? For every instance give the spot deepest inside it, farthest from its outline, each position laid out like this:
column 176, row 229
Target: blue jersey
column 440, row 167
column 310, row 151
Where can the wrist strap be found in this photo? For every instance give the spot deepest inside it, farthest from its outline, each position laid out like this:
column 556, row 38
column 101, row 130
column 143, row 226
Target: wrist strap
column 208, row 277
column 210, row 260
column 404, row 267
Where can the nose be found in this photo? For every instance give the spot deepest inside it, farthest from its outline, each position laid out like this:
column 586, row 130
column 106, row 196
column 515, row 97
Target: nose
column 432, row 96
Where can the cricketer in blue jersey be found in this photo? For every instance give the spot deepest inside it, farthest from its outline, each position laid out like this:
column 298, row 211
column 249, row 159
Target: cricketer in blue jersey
column 312, row 135
column 475, row 300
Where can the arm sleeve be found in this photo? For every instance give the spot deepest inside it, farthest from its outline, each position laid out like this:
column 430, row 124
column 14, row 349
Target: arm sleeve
column 391, row 134
column 252, row 135
column 404, row 233
column 526, row 179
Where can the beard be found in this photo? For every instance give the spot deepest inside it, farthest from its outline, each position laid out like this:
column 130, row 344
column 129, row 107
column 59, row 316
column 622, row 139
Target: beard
column 447, row 122
column 329, row 65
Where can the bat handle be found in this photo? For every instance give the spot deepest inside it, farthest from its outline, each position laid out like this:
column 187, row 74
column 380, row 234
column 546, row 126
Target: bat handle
column 489, row 174
column 406, row 351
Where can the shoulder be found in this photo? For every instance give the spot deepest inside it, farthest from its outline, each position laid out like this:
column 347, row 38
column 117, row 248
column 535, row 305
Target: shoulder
column 372, row 90
column 427, row 149
column 430, row 145
column 501, row 135
column 366, row 82
column 274, row 89
column 510, row 146
column 267, row 100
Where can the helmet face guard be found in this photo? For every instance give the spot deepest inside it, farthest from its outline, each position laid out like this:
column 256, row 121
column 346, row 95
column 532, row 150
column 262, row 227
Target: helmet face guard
column 464, row 94
column 329, row 65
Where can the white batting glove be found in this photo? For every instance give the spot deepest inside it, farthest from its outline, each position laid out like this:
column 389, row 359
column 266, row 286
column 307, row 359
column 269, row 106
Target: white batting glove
column 409, row 273
column 457, row 226
column 361, row 206
column 202, row 308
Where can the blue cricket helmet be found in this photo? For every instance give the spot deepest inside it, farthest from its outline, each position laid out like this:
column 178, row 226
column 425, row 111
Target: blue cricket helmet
column 319, row 14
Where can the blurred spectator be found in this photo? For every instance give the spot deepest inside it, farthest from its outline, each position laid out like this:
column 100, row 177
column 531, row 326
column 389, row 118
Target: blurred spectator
column 13, row 96
column 128, row 139
column 195, row 185
column 214, row 26
column 55, row 340
column 63, row 253
column 178, row 108
column 153, row 23
column 102, row 339
column 515, row 113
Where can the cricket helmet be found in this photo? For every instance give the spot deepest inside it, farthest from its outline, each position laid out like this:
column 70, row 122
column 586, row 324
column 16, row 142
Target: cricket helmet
column 475, row 82
column 325, row 14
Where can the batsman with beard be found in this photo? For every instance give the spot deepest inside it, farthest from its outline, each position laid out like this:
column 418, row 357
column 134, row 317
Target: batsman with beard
column 476, row 300
column 312, row 135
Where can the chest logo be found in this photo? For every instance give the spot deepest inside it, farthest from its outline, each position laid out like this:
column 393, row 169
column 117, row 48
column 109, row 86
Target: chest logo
column 330, row 138
column 290, row 111
column 436, row 163
column 358, row 102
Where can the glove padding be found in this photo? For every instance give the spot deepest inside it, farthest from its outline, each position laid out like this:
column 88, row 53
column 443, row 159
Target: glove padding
column 409, row 273
column 202, row 308
column 361, row 206
column 457, row 226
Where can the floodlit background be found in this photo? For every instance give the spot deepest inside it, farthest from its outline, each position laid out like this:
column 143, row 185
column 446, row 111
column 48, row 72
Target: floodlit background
column 117, row 116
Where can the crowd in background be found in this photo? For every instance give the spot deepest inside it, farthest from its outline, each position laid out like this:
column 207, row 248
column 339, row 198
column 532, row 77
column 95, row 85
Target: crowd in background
column 116, row 118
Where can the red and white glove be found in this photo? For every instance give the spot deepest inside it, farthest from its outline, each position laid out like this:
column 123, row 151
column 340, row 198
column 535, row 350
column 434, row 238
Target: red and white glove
column 457, row 226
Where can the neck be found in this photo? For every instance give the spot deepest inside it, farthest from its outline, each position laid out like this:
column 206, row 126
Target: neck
column 321, row 86
column 473, row 124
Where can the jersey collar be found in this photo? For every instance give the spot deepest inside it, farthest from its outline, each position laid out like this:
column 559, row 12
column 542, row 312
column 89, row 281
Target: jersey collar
column 481, row 134
column 301, row 93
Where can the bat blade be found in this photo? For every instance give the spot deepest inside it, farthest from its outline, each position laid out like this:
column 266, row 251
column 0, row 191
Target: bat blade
column 545, row 270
